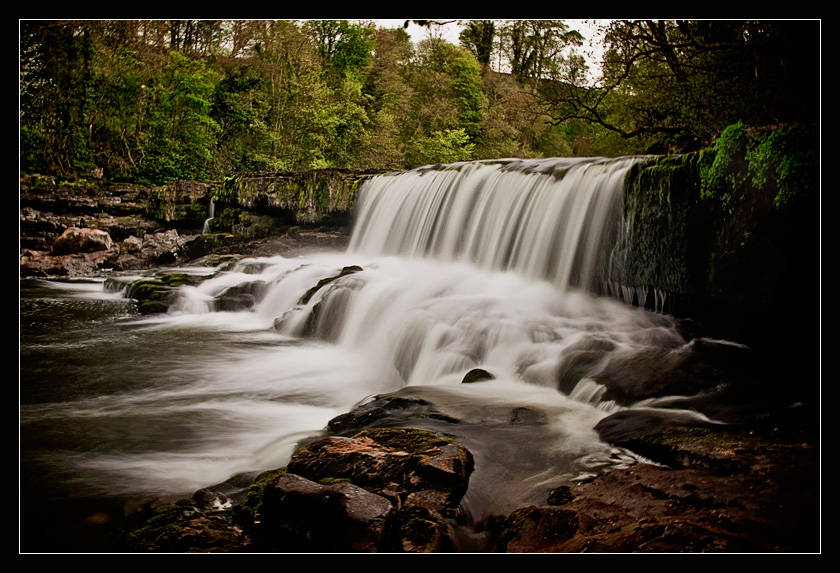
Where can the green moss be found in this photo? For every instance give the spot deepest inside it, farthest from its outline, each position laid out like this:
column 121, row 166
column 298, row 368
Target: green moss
column 410, row 440
column 417, row 525
column 228, row 192
column 159, row 530
column 247, row 512
column 513, row 525
column 152, row 295
column 560, row 495
column 785, row 161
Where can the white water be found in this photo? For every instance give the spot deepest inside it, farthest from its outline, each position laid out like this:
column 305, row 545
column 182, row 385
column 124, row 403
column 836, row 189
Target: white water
column 473, row 266
column 211, row 214
column 543, row 219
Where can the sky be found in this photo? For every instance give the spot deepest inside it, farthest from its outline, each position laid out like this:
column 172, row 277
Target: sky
column 452, row 30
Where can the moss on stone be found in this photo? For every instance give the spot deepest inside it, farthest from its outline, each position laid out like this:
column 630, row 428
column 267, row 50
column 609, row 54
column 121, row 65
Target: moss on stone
column 416, row 525
column 513, row 525
column 154, row 295
column 560, row 495
column 410, row 440
column 247, row 512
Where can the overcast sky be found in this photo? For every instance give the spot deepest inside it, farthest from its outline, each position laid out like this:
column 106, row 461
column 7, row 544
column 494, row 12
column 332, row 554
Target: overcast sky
column 452, row 31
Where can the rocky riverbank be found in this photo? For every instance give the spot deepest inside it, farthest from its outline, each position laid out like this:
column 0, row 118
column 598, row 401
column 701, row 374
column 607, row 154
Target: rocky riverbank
column 750, row 485
column 76, row 229
column 396, row 489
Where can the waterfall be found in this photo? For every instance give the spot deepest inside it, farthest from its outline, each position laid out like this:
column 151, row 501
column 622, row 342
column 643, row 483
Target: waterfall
column 489, row 265
column 210, row 216
column 544, row 219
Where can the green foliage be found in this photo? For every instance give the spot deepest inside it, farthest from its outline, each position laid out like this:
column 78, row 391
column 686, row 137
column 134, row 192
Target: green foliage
column 789, row 160
column 240, row 108
column 446, row 146
column 152, row 101
column 536, row 49
column 182, row 132
column 228, row 190
column 785, row 161
column 681, row 82
column 479, row 37
column 346, row 48
column 727, row 172
column 31, row 143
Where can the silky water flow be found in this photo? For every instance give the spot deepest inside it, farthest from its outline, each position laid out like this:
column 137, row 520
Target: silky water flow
column 489, row 265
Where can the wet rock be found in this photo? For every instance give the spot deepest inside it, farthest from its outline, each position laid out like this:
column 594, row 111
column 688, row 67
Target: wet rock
column 402, row 460
column 383, row 411
column 716, row 489
column 477, row 375
column 386, row 489
column 323, row 282
column 240, row 297
column 155, row 295
column 189, row 526
column 300, row 515
column 537, row 529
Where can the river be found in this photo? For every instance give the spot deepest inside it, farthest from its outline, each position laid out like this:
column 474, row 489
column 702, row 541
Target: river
column 117, row 408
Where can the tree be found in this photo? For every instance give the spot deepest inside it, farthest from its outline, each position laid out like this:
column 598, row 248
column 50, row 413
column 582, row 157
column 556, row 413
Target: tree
column 182, row 134
column 388, row 101
column 55, row 89
column 536, row 49
column 446, row 146
column 345, row 47
column 479, row 37
column 443, row 71
column 240, row 108
column 681, row 81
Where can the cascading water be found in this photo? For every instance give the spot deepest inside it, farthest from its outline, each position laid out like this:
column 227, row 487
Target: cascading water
column 211, row 214
column 545, row 220
column 450, row 268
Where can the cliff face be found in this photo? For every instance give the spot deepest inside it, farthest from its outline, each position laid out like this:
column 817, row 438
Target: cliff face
column 724, row 235
column 675, row 241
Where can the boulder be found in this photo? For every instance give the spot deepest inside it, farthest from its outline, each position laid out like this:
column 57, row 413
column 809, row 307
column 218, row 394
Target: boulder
column 75, row 240
column 383, row 489
column 300, row 515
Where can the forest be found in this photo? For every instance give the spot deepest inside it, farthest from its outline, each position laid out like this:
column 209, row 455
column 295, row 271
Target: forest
column 159, row 100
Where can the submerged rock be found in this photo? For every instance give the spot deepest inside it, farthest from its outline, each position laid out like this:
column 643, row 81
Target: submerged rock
column 155, row 295
column 477, row 375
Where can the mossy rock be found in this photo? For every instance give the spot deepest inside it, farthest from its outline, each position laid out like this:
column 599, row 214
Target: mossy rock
column 182, row 527
column 156, row 295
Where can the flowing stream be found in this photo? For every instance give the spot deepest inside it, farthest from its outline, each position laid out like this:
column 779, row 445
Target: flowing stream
column 479, row 265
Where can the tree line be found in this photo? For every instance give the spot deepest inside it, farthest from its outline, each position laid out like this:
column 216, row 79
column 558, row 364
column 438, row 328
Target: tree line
column 150, row 100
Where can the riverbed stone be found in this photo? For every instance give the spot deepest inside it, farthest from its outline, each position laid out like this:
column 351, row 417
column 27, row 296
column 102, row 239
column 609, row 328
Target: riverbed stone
column 300, row 515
